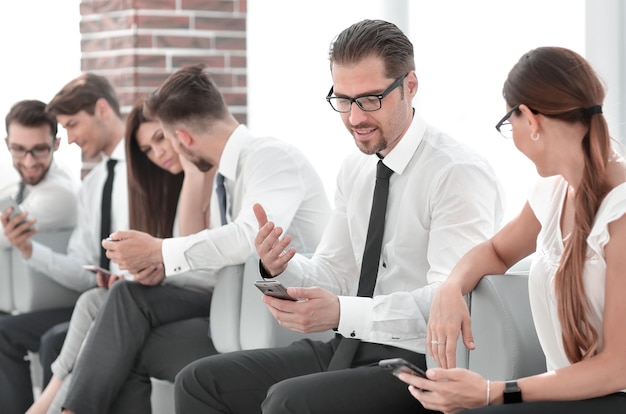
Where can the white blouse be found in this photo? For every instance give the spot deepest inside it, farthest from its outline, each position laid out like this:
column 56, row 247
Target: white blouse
column 546, row 200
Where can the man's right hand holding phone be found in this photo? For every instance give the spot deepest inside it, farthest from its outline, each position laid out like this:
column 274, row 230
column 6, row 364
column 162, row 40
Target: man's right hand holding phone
column 18, row 229
column 318, row 309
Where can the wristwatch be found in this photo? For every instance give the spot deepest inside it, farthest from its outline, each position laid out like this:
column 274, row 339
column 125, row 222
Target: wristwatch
column 512, row 393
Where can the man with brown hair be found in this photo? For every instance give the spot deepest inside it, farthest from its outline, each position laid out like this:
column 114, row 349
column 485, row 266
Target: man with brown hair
column 157, row 326
column 425, row 197
column 44, row 190
column 88, row 109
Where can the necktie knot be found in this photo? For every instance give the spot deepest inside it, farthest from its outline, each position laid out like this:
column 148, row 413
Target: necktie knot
column 19, row 197
column 111, row 165
column 382, row 171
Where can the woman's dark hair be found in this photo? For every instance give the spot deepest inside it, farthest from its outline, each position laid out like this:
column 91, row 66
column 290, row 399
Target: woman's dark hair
column 559, row 83
column 152, row 191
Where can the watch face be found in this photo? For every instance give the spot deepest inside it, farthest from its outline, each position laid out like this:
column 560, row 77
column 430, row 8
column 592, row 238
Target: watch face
column 512, row 392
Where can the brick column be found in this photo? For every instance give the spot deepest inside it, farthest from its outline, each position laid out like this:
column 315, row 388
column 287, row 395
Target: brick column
column 136, row 44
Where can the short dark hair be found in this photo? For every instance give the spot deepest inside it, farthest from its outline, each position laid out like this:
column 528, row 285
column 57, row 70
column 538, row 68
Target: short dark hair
column 82, row 93
column 188, row 95
column 374, row 37
column 31, row 113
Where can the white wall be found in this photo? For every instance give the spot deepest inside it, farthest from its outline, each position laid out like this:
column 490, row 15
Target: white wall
column 40, row 49
column 464, row 50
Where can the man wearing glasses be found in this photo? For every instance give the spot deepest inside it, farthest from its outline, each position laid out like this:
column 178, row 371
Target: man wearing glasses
column 44, row 189
column 88, row 109
column 375, row 292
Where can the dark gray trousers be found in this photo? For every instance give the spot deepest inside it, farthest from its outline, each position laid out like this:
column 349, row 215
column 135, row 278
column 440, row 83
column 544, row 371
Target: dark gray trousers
column 610, row 404
column 140, row 331
column 18, row 335
column 295, row 379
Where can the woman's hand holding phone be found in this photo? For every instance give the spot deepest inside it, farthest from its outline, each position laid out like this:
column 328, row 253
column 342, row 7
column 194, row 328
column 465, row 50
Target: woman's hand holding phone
column 104, row 278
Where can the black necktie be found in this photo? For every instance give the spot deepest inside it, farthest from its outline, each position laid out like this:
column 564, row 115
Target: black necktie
column 371, row 259
column 105, row 219
column 19, row 197
column 221, row 196
column 375, row 230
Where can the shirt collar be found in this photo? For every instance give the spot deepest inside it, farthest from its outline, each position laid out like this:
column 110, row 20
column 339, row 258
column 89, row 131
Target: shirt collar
column 119, row 152
column 400, row 156
column 236, row 142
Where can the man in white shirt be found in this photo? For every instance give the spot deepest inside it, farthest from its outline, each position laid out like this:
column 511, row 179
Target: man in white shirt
column 137, row 333
column 88, row 109
column 47, row 191
column 442, row 200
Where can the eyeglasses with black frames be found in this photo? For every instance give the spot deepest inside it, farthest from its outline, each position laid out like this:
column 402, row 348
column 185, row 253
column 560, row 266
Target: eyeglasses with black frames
column 504, row 126
column 39, row 151
column 367, row 103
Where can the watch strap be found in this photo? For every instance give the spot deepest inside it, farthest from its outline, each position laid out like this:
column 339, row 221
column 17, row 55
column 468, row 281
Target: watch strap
column 512, row 392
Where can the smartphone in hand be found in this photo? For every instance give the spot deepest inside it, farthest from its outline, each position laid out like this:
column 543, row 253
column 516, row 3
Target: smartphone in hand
column 106, row 274
column 9, row 202
column 273, row 288
column 398, row 365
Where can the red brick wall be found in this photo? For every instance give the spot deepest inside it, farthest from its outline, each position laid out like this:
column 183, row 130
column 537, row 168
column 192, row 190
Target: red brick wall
column 136, row 44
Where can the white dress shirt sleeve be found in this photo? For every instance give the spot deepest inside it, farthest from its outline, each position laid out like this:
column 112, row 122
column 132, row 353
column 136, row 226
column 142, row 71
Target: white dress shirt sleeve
column 267, row 175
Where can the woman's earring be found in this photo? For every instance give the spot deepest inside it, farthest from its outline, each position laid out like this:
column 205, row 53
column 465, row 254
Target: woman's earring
column 535, row 137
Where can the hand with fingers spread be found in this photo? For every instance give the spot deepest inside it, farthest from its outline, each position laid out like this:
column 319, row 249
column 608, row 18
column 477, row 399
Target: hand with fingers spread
column 269, row 246
column 18, row 231
column 449, row 315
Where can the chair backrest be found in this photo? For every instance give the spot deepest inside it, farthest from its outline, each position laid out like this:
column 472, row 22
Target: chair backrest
column 32, row 290
column 506, row 341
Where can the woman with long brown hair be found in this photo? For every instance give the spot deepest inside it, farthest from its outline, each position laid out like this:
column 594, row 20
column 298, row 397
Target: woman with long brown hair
column 575, row 221
column 167, row 196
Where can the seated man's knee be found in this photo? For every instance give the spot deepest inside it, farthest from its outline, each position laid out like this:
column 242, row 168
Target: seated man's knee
column 91, row 300
column 285, row 397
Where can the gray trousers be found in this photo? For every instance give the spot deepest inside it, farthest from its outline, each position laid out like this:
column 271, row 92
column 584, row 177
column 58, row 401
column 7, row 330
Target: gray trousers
column 610, row 404
column 140, row 332
column 295, row 379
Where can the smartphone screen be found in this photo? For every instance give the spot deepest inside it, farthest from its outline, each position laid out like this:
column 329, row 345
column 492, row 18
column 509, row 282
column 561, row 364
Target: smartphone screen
column 273, row 288
column 398, row 365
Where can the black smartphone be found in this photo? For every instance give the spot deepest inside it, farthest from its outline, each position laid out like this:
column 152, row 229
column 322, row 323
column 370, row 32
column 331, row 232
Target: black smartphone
column 398, row 365
column 273, row 288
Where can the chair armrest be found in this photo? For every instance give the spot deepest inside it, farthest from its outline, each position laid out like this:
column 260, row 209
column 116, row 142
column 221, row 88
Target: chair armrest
column 506, row 341
column 226, row 309
column 6, row 284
